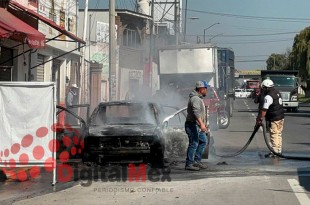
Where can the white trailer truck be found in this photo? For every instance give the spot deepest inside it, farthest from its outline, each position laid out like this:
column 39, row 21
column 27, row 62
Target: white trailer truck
column 181, row 66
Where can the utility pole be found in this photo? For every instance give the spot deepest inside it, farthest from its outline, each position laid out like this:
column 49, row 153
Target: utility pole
column 177, row 20
column 185, row 21
column 112, row 52
column 84, row 76
column 151, row 45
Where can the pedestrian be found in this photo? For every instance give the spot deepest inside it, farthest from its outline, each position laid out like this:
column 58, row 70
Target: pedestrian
column 72, row 99
column 273, row 112
column 195, row 127
column 71, row 95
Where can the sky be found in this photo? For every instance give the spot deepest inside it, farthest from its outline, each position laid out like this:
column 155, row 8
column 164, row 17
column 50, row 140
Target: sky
column 254, row 29
column 251, row 52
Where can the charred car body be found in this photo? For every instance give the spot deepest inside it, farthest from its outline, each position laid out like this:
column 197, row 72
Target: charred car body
column 124, row 131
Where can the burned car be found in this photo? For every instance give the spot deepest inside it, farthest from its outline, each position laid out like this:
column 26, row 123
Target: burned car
column 124, row 131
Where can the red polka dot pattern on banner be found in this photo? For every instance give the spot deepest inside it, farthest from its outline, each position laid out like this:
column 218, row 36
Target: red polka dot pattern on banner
column 34, row 172
column 12, row 163
column 6, row 152
column 23, row 159
column 73, row 151
column 10, row 174
column 22, row 175
column 1, row 153
column 66, row 141
column 49, row 164
column 38, row 152
column 42, row 132
column 82, row 144
column 27, row 140
column 75, row 140
column 50, row 145
column 15, row 148
column 64, row 156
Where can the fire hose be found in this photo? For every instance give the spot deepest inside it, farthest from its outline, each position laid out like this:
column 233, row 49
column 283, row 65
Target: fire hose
column 268, row 145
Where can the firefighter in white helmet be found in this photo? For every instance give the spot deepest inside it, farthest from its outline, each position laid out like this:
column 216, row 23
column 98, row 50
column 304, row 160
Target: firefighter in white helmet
column 273, row 111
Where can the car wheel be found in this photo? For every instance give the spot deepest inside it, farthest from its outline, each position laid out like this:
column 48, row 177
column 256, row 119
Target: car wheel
column 224, row 120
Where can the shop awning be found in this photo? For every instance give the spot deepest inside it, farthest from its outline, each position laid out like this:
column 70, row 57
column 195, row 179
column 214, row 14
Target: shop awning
column 15, row 29
column 4, row 33
column 49, row 22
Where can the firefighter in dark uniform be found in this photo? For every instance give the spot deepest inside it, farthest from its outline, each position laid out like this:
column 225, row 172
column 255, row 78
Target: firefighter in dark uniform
column 273, row 111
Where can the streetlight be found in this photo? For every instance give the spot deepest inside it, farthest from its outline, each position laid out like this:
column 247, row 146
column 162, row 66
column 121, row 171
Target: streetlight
column 185, row 20
column 214, row 37
column 204, row 32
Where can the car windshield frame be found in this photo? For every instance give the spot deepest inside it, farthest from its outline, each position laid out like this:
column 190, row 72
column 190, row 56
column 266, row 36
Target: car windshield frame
column 279, row 81
column 124, row 114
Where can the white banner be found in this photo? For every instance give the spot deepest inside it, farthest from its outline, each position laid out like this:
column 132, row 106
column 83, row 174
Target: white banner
column 27, row 114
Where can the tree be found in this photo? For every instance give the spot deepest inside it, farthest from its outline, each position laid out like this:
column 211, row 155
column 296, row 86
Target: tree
column 277, row 62
column 301, row 52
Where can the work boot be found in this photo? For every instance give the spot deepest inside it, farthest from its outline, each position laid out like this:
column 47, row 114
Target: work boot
column 270, row 155
column 191, row 168
column 200, row 165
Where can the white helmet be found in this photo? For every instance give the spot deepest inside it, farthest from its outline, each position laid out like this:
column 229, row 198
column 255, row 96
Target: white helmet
column 267, row 83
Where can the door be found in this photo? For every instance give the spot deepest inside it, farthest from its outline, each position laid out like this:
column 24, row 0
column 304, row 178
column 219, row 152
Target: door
column 6, row 64
column 40, row 68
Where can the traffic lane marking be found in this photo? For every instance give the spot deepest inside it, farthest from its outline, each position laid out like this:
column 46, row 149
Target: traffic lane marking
column 299, row 192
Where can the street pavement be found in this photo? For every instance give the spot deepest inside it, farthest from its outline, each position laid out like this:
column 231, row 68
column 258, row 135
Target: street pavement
column 245, row 179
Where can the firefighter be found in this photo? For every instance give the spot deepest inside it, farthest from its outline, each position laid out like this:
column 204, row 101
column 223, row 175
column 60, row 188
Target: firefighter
column 196, row 128
column 259, row 99
column 273, row 112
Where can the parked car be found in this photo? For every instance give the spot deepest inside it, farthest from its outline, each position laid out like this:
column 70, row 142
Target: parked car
column 124, row 131
column 218, row 116
column 243, row 93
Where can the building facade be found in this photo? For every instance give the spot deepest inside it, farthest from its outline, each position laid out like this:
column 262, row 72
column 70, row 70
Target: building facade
column 133, row 74
column 40, row 44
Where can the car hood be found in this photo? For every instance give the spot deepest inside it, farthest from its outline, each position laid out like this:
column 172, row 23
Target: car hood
column 125, row 130
column 207, row 101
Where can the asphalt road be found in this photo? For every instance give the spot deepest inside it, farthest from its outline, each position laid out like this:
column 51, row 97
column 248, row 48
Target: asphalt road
column 246, row 179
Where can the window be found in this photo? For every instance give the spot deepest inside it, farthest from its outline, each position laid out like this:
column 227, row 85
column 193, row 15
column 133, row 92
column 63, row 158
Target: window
column 131, row 38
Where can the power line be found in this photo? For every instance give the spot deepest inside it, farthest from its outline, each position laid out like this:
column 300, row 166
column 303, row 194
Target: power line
column 250, row 56
column 255, row 42
column 250, row 35
column 250, row 61
column 249, row 28
column 265, row 18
